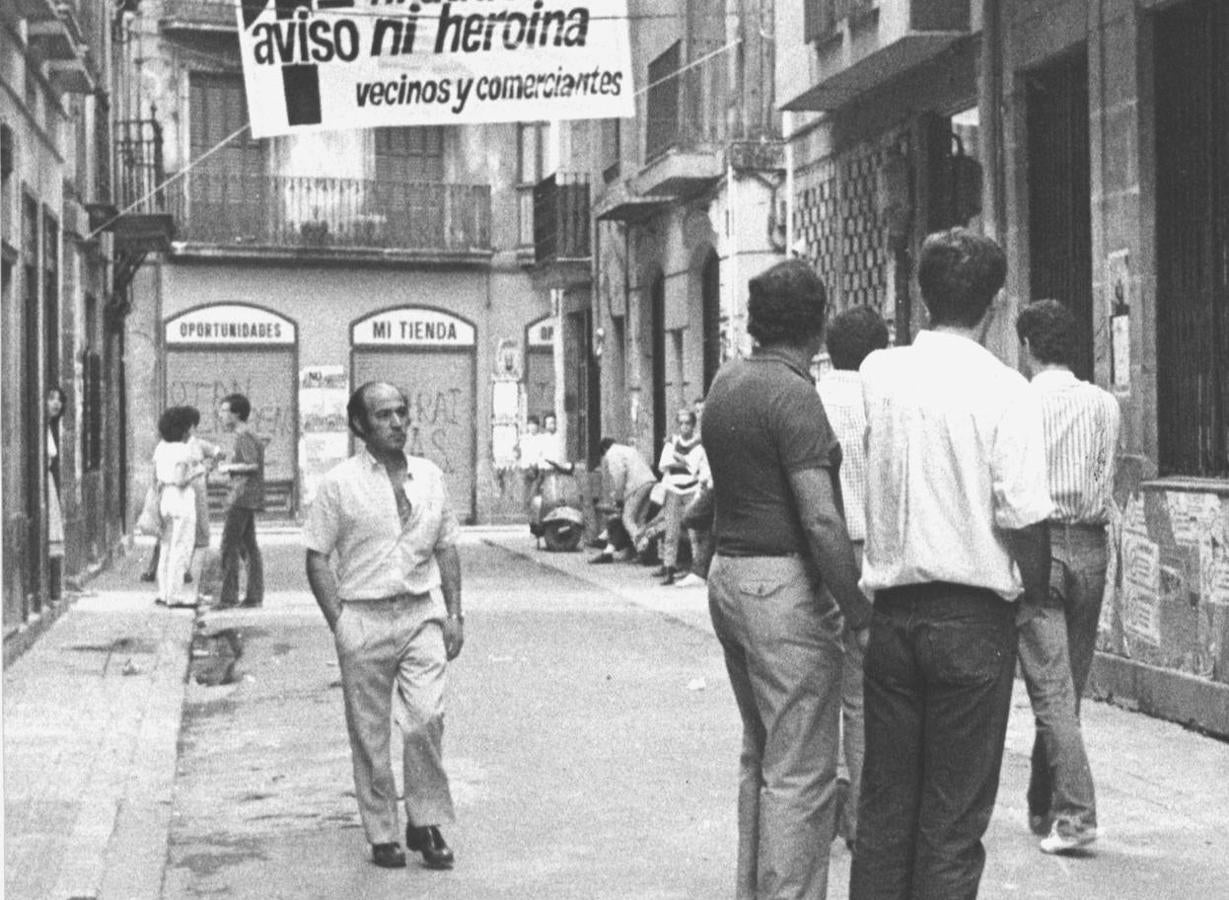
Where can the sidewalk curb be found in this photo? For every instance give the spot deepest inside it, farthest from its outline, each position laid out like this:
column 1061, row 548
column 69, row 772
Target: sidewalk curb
column 610, row 582
column 118, row 841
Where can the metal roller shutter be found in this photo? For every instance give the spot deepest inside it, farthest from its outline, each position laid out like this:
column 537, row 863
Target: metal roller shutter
column 440, row 387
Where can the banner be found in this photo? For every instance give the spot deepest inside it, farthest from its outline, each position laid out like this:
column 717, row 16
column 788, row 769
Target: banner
column 317, row 65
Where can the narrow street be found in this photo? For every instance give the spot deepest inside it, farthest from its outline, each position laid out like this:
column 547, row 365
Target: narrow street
column 582, row 763
column 592, row 741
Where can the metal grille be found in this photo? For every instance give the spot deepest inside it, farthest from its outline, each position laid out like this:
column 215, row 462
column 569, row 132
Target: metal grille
column 1192, row 128
column 818, row 219
column 837, row 218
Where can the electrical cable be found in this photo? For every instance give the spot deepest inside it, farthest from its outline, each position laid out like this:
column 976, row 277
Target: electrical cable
column 171, row 179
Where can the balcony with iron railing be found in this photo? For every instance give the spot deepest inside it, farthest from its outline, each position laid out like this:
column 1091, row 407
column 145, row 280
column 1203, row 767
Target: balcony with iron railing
column 862, row 44
column 561, row 225
column 197, row 15
column 685, row 121
column 228, row 212
column 60, row 32
column 134, row 206
column 561, row 218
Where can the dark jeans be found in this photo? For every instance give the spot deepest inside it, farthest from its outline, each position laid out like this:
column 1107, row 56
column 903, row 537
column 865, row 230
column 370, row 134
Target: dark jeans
column 938, row 681
column 239, row 539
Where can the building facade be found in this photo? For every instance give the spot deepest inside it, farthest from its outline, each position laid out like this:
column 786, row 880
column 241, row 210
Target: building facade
column 1090, row 140
column 62, row 314
column 688, row 201
column 305, row 265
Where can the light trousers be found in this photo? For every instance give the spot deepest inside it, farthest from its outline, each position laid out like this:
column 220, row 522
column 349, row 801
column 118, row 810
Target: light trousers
column 393, row 664
column 781, row 634
column 177, row 542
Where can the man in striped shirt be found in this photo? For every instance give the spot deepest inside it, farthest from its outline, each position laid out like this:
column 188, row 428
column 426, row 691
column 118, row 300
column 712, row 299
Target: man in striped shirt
column 1057, row 637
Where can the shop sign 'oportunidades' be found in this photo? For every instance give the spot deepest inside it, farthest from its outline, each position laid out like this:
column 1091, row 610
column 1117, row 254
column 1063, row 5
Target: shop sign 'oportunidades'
column 335, row 64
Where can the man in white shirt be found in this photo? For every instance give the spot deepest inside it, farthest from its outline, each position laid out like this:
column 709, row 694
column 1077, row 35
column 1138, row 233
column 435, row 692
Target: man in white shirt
column 381, row 538
column 955, row 533
column 1057, row 639
column 852, row 336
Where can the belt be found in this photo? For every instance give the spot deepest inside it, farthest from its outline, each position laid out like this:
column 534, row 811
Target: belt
column 1085, row 527
column 391, row 598
column 753, row 554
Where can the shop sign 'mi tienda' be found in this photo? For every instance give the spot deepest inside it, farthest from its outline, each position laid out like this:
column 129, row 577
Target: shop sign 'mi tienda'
column 332, row 64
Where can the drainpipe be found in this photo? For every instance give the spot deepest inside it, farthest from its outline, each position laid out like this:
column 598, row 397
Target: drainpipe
column 991, row 114
column 787, row 131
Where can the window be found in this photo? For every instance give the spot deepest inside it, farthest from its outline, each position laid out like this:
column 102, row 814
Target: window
column 662, row 126
column 218, row 109
column 1192, row 195
column 531, row 151
column 612, row 136
column 410, row 154
column 531, row 168
column 91, row 393
column 227, row 190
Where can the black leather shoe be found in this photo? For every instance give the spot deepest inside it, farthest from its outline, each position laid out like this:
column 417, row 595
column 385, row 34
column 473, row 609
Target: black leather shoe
column 669, row 576
column 387, row 856
column 601, row 559
column 148, row 577
column 428, row 841
column 659, row 572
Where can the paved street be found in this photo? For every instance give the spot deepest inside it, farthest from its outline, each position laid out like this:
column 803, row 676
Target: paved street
column 592, row 741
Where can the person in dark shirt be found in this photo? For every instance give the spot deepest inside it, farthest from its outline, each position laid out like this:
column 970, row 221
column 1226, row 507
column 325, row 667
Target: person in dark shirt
column 247, row 496
column 782, row 585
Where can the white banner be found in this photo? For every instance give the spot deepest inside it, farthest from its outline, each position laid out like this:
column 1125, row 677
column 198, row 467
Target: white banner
column 334, row 64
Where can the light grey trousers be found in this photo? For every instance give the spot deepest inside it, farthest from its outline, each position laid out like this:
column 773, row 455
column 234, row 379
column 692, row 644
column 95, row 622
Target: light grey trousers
column 781, row 633
column 394, row 650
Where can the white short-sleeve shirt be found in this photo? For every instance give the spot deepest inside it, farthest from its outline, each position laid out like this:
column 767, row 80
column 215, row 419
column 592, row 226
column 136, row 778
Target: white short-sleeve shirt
column 354, row 519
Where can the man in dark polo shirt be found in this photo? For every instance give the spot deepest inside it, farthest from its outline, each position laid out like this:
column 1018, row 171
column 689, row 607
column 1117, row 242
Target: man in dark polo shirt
column 247, row 496
column 782, row 585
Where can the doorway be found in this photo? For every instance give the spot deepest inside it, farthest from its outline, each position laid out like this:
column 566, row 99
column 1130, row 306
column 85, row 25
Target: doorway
column 710, row 323
column 1192, row 199
column 1059, row 195
column 657, row 344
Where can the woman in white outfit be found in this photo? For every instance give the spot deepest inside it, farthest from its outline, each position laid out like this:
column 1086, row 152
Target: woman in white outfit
column 174, row 469
column 56, row 403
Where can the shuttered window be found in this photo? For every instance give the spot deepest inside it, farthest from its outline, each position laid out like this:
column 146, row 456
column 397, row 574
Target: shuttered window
column 218, row 108
column 662, row 127
column 410, row 154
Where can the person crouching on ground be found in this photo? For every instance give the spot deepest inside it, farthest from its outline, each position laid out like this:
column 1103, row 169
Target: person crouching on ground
column 381, row 538
column 628, row 482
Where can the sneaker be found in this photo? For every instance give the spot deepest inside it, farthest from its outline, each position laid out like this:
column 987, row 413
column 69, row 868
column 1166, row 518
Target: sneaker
column 1058, row 842
column 691, row 579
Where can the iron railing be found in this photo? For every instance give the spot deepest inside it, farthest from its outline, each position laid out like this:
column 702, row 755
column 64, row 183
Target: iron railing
column 235, row 208
column 561, row 218
column 138, row 166
column 686, row 110
column 821, row 17
column 198, row 14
